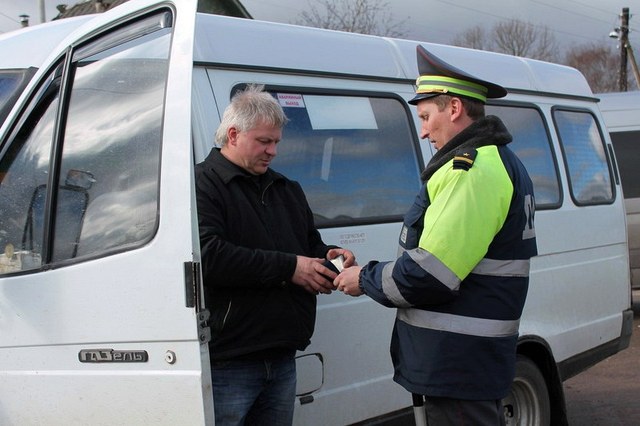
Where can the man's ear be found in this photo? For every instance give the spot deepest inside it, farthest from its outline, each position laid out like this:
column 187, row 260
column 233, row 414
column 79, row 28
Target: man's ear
column 232, row 135
column 456, row 108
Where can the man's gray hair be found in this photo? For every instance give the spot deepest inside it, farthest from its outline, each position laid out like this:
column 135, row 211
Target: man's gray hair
column 248, row 109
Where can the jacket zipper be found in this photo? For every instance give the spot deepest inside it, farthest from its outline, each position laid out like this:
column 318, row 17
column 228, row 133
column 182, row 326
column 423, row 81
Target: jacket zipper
column 226, row 314
column 264, row 191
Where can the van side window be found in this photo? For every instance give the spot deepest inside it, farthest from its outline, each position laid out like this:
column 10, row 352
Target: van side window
column 628, row 155
column 354, row 156
column 585, row 157
column 24, row 174
column 109, row 173
column 532, row 145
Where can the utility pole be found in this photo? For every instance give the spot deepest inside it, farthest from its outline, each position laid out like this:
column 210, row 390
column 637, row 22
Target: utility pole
column 624, row 41
column 634, row 64
column 42, row 14
column 621, row 34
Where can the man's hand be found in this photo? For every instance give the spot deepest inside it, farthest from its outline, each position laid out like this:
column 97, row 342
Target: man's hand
column 313, row 276
column 348, row 280
column 349, row 257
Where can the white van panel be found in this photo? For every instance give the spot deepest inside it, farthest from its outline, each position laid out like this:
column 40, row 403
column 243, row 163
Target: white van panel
column 621, row 113
column 67, row 395
column 620, row 110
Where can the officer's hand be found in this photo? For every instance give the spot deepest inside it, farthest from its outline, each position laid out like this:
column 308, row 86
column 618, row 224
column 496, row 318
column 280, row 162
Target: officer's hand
column 348, row 281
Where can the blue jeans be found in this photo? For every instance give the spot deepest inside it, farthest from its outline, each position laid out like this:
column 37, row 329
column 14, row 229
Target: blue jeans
column 254, row 392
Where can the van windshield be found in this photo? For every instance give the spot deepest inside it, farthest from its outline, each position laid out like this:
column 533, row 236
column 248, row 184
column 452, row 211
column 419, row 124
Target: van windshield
column 11, row 83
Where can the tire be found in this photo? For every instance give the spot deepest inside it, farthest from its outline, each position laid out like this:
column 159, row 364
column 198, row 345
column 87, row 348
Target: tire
column 528, row 401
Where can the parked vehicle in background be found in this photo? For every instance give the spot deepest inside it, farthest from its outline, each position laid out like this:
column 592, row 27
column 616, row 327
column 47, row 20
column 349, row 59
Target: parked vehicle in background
column 621, row 113
column 102, row 318
column 21, row 56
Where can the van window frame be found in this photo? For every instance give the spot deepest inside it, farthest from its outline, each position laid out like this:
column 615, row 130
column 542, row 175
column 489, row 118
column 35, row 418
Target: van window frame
column 47, row 91
column 606, row 146
column 554, row 154
column 415, row 141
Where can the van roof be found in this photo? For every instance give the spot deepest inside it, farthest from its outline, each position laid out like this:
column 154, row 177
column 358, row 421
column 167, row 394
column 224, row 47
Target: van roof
column 620, row 110
column 616, row 101
column 19, row 50
column 245, row 43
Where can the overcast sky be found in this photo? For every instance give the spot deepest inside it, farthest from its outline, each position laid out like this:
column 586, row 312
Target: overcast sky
column 572, row 22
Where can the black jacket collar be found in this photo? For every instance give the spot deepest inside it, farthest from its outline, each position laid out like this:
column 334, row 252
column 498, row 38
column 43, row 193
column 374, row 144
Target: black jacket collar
column 228, row 171
column 486, row 131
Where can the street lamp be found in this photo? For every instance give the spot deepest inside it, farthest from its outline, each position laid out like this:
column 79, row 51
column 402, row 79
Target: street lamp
column 24, row 20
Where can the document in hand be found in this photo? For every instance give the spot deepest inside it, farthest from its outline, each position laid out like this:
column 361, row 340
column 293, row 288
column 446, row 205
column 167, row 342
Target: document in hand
column 335, row 264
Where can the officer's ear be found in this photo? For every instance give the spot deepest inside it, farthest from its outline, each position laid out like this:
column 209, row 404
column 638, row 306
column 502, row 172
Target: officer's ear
column 456, row 108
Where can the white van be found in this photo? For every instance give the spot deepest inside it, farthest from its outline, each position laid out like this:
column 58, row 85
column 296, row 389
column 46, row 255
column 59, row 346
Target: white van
column 621, row 113
column 101, row 311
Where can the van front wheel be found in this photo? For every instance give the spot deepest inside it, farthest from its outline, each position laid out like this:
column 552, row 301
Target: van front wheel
column 528, row 401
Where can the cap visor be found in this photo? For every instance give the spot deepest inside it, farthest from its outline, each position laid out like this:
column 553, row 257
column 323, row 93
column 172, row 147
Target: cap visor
column 422, row 96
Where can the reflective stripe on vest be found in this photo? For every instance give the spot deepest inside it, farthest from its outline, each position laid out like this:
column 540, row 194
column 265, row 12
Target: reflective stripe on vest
column 458, row 324
column 433, row 266
column 503, row 268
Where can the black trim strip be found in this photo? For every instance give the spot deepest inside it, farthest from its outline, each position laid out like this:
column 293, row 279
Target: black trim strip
column 412, row 82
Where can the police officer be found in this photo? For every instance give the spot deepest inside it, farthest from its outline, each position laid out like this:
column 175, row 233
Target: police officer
column 461, row 278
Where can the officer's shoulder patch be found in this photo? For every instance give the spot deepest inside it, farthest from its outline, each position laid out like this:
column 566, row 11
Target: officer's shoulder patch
column 463, row 159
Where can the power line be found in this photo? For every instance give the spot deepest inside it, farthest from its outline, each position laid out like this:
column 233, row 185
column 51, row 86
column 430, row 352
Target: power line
column 470, row 8
column 572, row 11
column 505, row 18
column 9, row 18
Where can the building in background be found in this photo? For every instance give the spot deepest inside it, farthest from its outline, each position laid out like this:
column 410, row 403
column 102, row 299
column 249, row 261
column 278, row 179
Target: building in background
column 87, row 7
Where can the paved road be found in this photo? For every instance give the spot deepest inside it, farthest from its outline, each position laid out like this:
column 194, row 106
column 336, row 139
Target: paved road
column 608, row 394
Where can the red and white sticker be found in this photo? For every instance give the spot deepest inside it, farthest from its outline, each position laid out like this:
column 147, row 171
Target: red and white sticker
column 290, row 100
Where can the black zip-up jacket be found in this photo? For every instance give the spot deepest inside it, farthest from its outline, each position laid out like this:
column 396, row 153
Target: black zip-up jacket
column 251, row 229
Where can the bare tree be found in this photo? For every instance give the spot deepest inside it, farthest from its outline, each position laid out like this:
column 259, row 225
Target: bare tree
column 355, row 16
column 598, row 63
column 474, row 38
column 514, row 37
column 519, row 38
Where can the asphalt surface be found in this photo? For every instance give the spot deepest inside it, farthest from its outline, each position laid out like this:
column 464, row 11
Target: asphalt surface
column 608, row 394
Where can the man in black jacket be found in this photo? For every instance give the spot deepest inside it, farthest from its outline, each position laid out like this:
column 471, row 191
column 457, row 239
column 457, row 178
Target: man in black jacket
column 262, row 263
